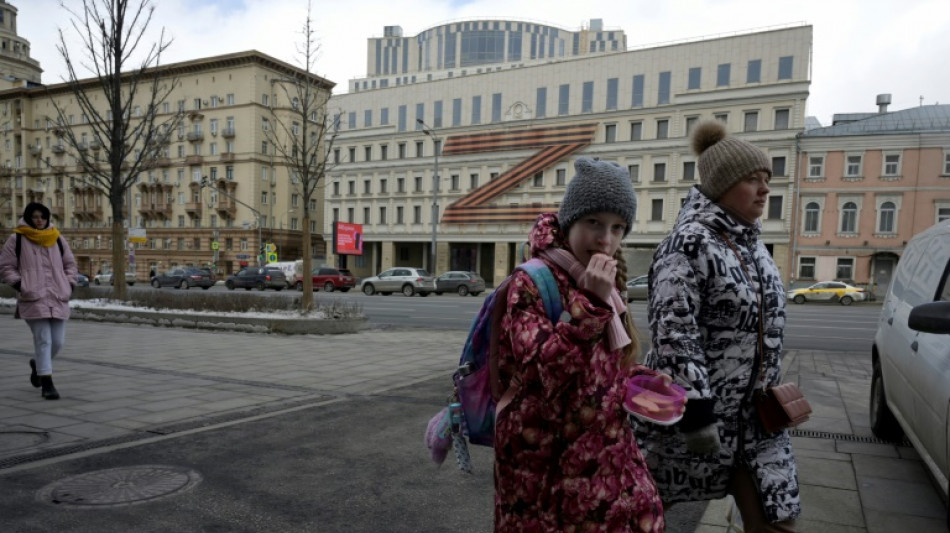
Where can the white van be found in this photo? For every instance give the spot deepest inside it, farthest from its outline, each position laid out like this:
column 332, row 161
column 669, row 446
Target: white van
column 293, row 270
column 910, row 383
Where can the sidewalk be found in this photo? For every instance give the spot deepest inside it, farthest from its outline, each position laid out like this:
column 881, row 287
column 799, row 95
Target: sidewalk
column 340, row 419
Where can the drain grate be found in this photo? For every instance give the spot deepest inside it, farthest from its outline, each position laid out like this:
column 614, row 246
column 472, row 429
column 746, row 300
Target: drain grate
column 117, row 487
column 844, row 436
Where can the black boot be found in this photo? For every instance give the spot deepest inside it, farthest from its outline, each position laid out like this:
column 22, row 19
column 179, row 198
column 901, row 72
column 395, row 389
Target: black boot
column 49, row 391
column 34, row 379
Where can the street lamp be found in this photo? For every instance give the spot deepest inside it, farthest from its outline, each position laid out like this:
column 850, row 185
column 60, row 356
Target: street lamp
column 260, row 219
column 437, row 141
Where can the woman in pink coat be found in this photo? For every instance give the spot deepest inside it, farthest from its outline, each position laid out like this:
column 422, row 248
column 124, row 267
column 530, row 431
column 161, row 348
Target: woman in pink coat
column 565, row 455
column 42, row 270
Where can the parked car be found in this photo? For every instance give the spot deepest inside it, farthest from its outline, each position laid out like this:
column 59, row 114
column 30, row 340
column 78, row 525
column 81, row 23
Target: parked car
column 910, row 378
column 259, row 278
column 460, row 281
column 184, row 278
column 293, row 270
column 82, row 280
column 406, row 280
column 828, row 291
column 637, row 288
column 330, row 279
column 106, row 279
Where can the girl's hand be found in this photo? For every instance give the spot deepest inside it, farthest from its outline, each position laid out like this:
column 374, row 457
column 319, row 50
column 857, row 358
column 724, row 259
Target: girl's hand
column 600, row 276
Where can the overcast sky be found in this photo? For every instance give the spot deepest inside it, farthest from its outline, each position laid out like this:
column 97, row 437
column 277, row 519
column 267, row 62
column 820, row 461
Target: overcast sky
column 861, row 47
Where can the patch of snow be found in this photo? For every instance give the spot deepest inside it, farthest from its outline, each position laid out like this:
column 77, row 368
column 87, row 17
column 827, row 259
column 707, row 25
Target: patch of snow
column 103, row 303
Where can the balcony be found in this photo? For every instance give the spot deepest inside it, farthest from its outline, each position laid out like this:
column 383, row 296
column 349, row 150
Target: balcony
column 195, row 136
column 36, row 150
column 227, row 133
column 83, row 146
column 162, row 210
column 58, row 149
column 95, row 144
column 57, row 212
column 227, row 157
column 226, row 207
column 194, row 160
column 193, row 208
column 162, row 162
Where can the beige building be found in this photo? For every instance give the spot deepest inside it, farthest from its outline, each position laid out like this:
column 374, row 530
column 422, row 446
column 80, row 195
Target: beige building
column 869, row 183
column 227, row 103
column 17, row 68
column 506, row 131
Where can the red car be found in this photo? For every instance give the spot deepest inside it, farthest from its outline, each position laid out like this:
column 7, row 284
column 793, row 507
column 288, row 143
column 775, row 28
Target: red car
column 330, row 279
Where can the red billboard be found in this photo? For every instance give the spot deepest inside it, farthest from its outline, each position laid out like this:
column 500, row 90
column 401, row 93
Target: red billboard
column 347, row 238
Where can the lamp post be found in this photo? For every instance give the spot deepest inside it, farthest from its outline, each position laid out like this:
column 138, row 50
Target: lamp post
column 260, row 219
column 437, row 141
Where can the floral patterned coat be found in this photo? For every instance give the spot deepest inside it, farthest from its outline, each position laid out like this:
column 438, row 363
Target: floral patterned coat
column 565, row 456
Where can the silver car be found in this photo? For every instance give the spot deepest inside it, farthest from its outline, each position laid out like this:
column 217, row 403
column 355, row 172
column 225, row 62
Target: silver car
column 407, row 280
column 637, row 288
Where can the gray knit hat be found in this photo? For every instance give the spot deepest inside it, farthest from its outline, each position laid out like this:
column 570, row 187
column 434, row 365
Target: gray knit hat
column 598, row 186
column 724, row 160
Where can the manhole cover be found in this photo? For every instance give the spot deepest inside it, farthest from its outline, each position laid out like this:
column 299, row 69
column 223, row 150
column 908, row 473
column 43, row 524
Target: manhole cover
column 15, row 440
column 120, row 486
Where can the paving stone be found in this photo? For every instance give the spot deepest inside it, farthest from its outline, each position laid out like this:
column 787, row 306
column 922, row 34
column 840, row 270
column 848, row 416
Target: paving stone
column 888, row 468
column 885, row 522
column 900, row 497
column 835, row 506
column 826, row 473
column 883, row 450
column 814, row 526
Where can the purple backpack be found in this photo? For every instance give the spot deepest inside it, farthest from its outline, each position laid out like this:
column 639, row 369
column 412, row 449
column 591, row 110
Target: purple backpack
column 478, row 388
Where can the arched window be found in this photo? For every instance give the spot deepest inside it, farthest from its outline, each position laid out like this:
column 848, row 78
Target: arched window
column 812, row 212
column 886, row 217
column 849, row 217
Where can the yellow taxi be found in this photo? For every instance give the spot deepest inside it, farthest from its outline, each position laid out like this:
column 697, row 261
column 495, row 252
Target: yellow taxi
column 828, row 291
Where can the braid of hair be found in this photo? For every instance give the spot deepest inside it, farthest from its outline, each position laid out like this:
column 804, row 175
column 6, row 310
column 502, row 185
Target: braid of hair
column 632, row 350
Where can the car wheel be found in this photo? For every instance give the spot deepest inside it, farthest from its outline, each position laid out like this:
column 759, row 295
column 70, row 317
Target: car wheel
column 463, row 290
column 883, row 423
column 845, row 300
column 369, row 290
column 247, row 288
column 407, row 290
column 184, row 285
column 229, row 285
column 278, row 289
column 156, row 284
column 299, row 286
column 96, row 282
column 328, row 287
column 799, row 299
column 261, row 285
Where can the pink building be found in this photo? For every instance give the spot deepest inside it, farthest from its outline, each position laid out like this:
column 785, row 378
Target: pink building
column 866, row 185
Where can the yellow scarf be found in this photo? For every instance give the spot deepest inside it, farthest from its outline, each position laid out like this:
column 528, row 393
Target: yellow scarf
column 44, row 237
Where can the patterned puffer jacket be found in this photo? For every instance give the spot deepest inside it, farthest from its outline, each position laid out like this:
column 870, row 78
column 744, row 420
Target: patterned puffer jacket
column 566, row 458
column 703, row 316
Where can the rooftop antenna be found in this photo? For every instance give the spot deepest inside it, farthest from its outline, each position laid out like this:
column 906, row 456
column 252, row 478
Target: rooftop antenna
column 921, row 99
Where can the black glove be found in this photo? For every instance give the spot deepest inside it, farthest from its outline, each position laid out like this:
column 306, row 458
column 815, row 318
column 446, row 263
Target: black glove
column 703, row 441
column 16, row 286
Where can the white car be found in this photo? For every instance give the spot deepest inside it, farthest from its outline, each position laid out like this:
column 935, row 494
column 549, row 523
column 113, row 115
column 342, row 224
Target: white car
column 407, row 280
column 910, row 382
column 106, row 279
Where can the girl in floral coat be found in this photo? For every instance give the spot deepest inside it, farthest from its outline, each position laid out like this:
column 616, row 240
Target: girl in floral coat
column 565, row 457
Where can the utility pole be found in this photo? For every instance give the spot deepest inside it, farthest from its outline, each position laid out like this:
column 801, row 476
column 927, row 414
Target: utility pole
column 437, row 142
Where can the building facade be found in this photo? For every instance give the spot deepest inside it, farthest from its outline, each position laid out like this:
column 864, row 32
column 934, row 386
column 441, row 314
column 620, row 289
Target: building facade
column 506, row 134
column 249, row 198
column 17, row 68
column 869, row 183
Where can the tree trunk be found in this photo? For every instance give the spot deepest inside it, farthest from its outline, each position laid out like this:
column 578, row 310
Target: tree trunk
column 306, row 300
column 118, row 258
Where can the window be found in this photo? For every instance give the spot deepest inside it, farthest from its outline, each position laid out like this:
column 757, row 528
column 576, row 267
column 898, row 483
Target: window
column 751, row 121
column 367, row 153
column 663, row 90
column 775, row 208
column 382, row 214
column 454, row 182
column 636, row 131
column 785, row 68
column 892, row 164
column 723, row 72
column 816, row 166
column 560, row 177
column 384, row 116
column 473, row 181
column 417, row 214
column 659, row 172
column 495, row 107
column 610, row 133
column 400, row 185
column 612, row 84
column 943, row 213
column 845, row 268
column 264, row 197
column 367, row 187
column 563, row 99
column 634, row 171
column 695, row 75
column 662, row 128
column 540, row 105
column 351, row 187
column 587, row 97
column 852, row 167
column 849, row 217
column 399, row 215
column 656, row 210
column 384, row 152
column 418, row 181
column 229, row 98
column 781, row 119
column 538, row 180
column 778, row 166
column 366, row 219
column 637, row 90
column 806, row 268
column 456, row 111
column 812, row 222
column 946, row 169
column 690, row 124
column 336, row 188
column 689, row 170
column 420, row 149
column 402, row 150
column 886, row 222
column 722, row 117
column 754, row 71
column 476, row 110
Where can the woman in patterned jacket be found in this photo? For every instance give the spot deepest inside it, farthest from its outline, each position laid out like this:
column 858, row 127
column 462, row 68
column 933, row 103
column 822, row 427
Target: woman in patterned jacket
column 566, row 459
column 706, row 283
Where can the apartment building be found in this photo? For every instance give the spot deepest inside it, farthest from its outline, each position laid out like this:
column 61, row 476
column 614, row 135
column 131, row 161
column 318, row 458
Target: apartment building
column 227, row 103
column 869, row 183
column 16, row 65
column 503, row 125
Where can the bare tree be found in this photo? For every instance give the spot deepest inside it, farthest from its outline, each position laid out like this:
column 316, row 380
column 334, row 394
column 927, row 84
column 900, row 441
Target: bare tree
column 302, row 137
column 131, row 128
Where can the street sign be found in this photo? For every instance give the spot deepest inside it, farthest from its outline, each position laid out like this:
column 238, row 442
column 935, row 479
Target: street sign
column 243, row 256
column 271, row 257
column 137, row 235
column 215, row 245
column 270, row 247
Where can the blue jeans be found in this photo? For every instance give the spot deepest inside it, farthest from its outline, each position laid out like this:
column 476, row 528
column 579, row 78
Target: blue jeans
column 49, row 334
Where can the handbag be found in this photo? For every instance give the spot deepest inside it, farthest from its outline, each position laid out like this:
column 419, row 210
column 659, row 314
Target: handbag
column 781, row 406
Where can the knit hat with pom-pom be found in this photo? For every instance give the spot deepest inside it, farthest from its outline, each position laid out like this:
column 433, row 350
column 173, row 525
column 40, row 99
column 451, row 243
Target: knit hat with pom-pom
column 599, row 186
column 724, row 160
